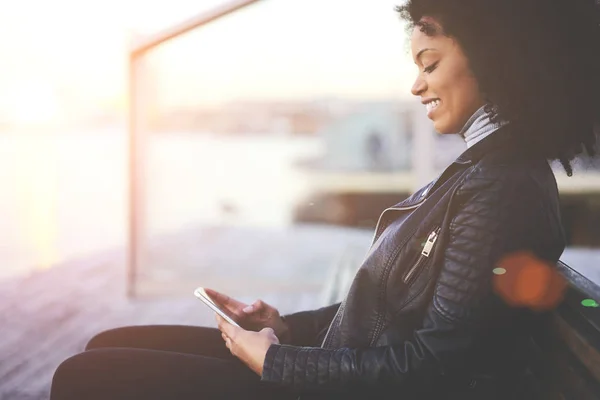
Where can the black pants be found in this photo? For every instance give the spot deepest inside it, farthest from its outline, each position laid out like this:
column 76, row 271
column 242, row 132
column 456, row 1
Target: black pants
column 159, row 362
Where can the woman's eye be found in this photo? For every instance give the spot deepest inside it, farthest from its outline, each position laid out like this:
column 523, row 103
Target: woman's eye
column 430, row 68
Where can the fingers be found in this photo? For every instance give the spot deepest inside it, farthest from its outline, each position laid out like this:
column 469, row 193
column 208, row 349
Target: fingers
column 217, row 296
column 226, row 328
column 227, row 340
column 225, row 301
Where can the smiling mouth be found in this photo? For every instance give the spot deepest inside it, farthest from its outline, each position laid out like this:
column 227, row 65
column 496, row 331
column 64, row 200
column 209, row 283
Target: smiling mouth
column 432, row 105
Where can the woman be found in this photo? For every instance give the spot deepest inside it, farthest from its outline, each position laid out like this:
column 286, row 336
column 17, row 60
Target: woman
column 424, row 318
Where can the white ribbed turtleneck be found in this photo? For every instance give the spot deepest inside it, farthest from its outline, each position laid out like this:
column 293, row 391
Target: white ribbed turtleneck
column 479, row 127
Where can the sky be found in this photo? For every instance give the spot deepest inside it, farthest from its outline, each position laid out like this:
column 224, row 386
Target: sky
column 75, row 52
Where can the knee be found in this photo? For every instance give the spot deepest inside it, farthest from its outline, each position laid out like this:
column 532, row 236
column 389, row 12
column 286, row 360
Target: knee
column 96, row 342
column 67, row 377
column 102, row 340
column 84, row 375
column 66, row 368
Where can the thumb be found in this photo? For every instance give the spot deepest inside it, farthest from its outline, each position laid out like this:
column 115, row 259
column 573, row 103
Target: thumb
column 248, row 309
column 256, row 306
column 270, row 335
column 268, row 331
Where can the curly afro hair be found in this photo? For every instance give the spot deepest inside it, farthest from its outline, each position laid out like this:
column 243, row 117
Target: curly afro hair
column 536, row 61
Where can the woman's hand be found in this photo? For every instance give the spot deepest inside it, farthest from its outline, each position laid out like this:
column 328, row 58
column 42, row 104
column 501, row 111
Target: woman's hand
column 256, row 316
column 250, row 347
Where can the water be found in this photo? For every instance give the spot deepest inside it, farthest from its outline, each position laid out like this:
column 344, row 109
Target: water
column 211, row 178
column 65, row 196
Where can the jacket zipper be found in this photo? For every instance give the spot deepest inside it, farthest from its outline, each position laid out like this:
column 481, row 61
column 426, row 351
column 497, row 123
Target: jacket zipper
column 376, row 234
column 327, row 337
column 407, row 208
column 379, row 325
column 425, row 253
column 423, row 257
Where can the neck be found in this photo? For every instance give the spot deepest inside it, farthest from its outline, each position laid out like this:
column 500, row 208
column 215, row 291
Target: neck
column 479, row 127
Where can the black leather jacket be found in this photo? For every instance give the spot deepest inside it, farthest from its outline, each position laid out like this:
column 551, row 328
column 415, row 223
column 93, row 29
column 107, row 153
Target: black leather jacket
column 421, row 319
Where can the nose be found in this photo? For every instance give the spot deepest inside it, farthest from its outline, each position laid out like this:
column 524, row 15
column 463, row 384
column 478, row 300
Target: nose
column 419, row 86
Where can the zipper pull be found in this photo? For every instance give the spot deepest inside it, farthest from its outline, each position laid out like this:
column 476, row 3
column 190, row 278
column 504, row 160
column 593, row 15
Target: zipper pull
column 430, row 242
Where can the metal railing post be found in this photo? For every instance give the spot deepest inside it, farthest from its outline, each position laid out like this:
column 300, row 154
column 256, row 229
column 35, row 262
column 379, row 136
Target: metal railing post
column 137, row 152
column 139, row 98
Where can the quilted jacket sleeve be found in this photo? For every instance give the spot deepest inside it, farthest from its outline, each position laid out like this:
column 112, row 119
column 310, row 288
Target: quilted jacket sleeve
column 496, row 216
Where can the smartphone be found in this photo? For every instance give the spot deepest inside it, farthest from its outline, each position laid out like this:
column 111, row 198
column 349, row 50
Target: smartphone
column 201, row 294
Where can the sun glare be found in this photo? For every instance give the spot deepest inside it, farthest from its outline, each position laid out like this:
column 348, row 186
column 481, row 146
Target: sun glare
column 34, row 103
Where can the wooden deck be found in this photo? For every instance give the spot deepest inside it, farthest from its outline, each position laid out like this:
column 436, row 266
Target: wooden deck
column 50, row 315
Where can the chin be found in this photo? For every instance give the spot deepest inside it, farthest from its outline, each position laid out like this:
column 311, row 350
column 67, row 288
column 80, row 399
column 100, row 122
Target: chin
column 443, row 129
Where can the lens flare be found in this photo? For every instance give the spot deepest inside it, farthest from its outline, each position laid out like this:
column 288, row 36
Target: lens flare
column 590, row 303
column 524, row 280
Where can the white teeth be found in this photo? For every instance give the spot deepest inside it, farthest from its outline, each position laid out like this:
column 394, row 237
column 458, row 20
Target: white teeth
column 432, row 104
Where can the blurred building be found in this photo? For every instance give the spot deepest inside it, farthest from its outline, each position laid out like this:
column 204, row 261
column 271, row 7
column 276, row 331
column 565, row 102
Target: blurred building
column 374, row 139
column 370, row 161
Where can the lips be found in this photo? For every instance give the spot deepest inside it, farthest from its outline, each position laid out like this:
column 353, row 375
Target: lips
column 431, row 104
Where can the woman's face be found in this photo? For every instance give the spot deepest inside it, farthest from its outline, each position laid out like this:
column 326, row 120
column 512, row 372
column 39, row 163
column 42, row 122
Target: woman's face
column 445, row 82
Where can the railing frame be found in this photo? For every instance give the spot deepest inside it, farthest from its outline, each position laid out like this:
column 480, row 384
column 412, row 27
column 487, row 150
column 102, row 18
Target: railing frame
column 138, row 100
column 139, row 106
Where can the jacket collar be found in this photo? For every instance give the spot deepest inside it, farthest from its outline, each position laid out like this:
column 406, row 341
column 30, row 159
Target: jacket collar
column 497, row 140
column 500, row 139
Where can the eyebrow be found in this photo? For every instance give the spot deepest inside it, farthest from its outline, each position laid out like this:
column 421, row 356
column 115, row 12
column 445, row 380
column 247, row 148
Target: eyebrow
column 421, row 52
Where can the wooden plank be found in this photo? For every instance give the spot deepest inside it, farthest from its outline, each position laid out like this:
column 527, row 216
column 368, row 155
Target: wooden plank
column 581, row 348
column 50, row 315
